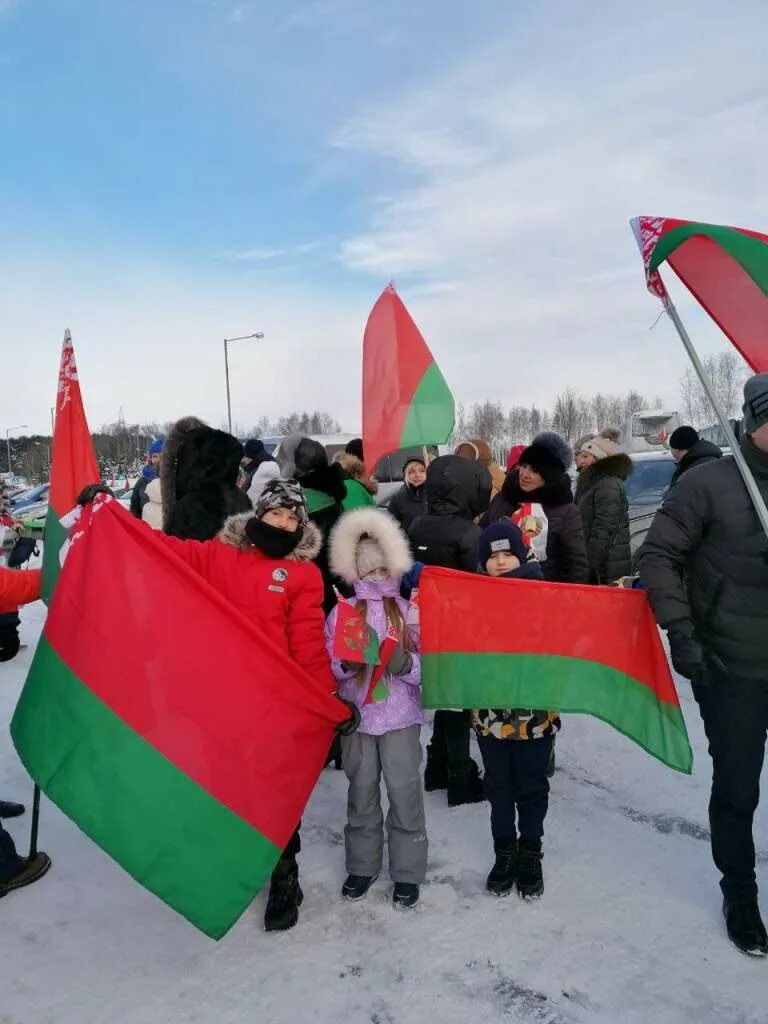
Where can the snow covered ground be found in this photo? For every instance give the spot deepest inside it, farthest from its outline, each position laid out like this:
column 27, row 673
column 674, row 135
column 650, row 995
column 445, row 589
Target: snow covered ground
column 629, row 928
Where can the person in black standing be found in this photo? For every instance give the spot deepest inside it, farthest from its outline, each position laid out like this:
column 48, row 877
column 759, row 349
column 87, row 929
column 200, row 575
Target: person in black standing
column 458, row 492
column 410, row 501
column 705, row 566
column 689, row 450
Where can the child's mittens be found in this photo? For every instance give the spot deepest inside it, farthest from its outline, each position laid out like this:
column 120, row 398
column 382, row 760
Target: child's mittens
column 400, row 662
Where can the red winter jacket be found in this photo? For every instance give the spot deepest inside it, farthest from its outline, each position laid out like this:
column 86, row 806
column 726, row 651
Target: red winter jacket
column 283, row 597
column 18, row 588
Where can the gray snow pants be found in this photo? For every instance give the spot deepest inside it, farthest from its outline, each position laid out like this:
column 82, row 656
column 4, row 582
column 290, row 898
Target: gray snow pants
column 396, row 755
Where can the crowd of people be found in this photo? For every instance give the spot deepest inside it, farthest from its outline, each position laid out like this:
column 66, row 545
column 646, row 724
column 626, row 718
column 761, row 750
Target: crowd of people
column 243, row 520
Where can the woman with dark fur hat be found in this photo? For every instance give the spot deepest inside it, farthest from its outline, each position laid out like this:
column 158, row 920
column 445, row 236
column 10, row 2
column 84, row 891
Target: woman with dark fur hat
column 198, row 475
column 541, row 479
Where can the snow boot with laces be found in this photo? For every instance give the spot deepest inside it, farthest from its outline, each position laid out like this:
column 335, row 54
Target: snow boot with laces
column 745, row 927
column 501, row 880
column 405, row 895
column 356, row 886
column 285, row 897
column 530, row 877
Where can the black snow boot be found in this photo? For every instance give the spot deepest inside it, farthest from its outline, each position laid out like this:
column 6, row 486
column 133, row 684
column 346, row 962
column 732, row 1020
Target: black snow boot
column 30, row 869
column 356, row 886
column 530, row 877
column 9, row 809
column 285, row 897
column 465, row 786
column 745, row 927
column 501, row 880
column 435, row 772
column 405, row 895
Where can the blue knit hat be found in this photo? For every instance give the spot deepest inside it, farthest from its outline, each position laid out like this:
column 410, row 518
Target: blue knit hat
column 503, row 535
column 156, row 447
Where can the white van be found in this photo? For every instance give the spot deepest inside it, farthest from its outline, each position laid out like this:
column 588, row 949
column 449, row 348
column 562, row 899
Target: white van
column 649, row 430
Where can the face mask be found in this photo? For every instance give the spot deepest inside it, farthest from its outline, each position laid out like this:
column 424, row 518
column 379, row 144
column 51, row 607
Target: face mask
column 273, row 542
column 376, row 576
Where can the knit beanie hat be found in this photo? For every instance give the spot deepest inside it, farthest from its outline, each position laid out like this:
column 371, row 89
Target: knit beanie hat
column 755, row 407
column 355, row 447
column 156, row 448
column 253, row 448
column 369, row 556
column 549, row 455
column 283, row 494
column 503, row 535
column 579, row 445
column 684, row 438
column 600, row 447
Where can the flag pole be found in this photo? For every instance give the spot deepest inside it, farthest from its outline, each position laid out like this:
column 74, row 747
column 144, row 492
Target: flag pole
column 35, row 823
column 741, row 462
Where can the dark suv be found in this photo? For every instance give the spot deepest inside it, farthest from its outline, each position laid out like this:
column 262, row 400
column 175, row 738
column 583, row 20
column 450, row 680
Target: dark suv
column 646, row 489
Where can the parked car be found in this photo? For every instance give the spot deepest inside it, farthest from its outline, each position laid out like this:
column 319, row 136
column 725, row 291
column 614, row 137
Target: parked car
column 28, row 498
column 647, row 486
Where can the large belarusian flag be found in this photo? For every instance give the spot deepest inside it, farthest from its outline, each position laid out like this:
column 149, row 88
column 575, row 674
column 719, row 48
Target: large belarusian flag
column 724, row 268
column 73, row 463
column 406, row 401
column 490, row 643
column 167, row 725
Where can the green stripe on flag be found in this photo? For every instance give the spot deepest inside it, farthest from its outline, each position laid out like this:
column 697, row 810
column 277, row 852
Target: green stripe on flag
column 171, row 835
column 570, row 685
column 432, row 414
column 749, row 252
column 53, row 538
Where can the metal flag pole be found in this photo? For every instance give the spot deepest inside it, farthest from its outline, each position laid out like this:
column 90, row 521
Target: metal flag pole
column 35, row 823
column 741, row 462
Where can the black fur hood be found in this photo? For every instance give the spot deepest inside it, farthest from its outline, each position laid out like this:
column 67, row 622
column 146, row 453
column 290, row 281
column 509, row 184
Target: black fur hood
column 551, row 495
column 619, row 466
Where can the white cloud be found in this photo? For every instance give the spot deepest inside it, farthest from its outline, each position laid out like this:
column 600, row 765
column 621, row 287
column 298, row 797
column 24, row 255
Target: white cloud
column 257, row 254
column 513, row 176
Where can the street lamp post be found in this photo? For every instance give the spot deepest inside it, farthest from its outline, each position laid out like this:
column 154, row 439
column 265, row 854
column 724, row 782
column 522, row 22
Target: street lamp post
column 242, row 337
column 22, row 426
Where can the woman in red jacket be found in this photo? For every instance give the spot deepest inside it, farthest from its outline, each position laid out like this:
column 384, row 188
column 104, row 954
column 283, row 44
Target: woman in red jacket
column 262, row 563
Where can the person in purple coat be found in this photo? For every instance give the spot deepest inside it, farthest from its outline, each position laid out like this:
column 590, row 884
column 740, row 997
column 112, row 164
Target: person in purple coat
column 369, row 551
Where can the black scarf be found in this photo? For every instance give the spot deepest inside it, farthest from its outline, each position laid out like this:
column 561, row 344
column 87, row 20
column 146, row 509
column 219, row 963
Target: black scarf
column 270, row 540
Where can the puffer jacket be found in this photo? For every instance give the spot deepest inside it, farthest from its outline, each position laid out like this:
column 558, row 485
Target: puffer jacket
column 284, row 597
column 152, row 509
column 701, row 453
column 602, row 501
column 566, row 551
column 705, row 563
column 458, row 491
column 18, row 587
column 402, row 707
column 408, row 504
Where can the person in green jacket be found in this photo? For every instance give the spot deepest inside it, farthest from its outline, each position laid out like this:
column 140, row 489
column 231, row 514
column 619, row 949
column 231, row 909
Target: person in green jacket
column 361, row 489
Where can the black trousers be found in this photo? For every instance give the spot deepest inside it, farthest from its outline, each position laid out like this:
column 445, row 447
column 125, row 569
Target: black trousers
column 450, row 740
column 516, row 785
column 735, row 715
column 292, row 847
column 10, row 862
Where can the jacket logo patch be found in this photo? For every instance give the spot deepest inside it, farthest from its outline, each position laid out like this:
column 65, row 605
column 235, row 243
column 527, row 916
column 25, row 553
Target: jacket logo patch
column 280, row 575
column 276, row 590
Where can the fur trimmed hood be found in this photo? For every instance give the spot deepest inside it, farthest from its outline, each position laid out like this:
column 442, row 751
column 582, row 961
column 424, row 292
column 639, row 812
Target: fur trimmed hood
column 356, row 469
column 619, row 465
column 368, row 524
column 233, row 533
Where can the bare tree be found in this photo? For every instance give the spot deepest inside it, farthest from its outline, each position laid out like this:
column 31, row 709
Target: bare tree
column 566, row 414
column 726, row 373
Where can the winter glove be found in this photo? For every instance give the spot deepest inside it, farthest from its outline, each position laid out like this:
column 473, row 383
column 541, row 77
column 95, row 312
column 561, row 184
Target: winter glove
column 410, row 580
column 351, row 724
column 400, row 662
column 89, row 493
column 687, row 653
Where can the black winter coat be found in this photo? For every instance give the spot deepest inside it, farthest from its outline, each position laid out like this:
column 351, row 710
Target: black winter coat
column 705, row 563
column 330, row 482
column 602, row 501
column 458, row 491
column 701, row 453
column 566, row 560
column 139, row 495
column 408, row 504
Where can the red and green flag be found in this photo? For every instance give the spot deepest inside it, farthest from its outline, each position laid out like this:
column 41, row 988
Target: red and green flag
column 406, row 401
column 353, row 638
column 724, row 268
column 189, row 761
column 73, row 463
column 377, row 687
column 529, row 644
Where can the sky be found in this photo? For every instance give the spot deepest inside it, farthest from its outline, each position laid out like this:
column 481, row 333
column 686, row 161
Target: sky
column 176, row 171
